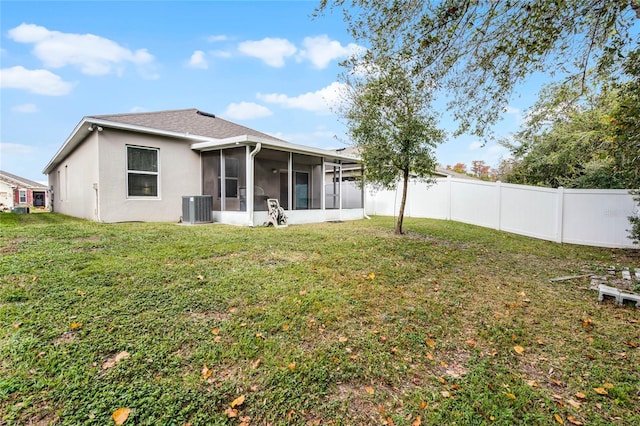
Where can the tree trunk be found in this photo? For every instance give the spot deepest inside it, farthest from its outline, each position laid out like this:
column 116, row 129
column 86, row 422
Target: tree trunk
column 405, row 181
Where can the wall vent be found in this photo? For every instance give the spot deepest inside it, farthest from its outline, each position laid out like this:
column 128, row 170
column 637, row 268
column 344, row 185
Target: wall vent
column 197, row 209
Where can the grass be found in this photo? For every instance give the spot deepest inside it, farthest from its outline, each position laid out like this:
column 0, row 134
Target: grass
column 342, row 323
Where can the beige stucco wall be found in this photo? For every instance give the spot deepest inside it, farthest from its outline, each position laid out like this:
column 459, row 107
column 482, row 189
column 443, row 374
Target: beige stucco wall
column 93, row 179
column 179, row 174
column 72, row 181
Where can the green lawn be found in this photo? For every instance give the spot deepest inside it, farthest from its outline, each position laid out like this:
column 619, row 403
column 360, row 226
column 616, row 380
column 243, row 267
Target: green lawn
column 341, row 323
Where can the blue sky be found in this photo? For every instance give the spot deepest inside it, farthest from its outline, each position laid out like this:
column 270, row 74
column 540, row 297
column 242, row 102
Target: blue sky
column 265, row 64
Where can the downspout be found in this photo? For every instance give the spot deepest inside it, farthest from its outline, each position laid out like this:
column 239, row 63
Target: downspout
column 250, row 181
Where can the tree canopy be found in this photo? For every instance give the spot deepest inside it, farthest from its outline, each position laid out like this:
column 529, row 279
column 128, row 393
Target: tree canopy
column 581, row 138
column 477, row 52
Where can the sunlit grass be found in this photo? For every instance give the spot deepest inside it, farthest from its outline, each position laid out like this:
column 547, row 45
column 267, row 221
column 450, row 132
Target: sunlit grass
column 343, row 322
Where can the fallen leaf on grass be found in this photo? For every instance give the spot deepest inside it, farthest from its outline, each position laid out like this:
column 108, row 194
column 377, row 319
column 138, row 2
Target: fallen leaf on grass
column 75, row 325
column 607, row 386
column 431, row 343
column 285, row 327
column 519, row 349
column 80, row 293
column 532, row 383
column 342, row 339
column 244, row 421
column 581, row 395
column 238, row 401
column 206, row 371
column 255, row 364
column 430, row 356
column 215, row 331
column 471, row 343
column 446, row 394
column 510, row 395
column 292, row 366
column 601, row 391
column 17, row 324
column 558, row 419
column 371, row 276
column 369, row 390
column 231, row 412
column 120, row 415
column 587, row 323
column 111, row 362
column 574, row 421
column 573, row 403
column 423, row 405
column 417, row 421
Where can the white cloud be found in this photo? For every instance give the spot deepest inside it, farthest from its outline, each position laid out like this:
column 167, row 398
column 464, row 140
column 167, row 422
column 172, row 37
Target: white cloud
column 198, row 60
column 246, row 111
column 93, row 55
column 15, row 149
column 320, row 101
column 321, row 50
column 216, row 38
column 25, row 108
column 272, row 51
column 41, row 82
column 220, row 53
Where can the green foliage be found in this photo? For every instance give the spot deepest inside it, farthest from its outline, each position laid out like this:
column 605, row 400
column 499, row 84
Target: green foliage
column 477, row 52
column 582, row 137
column 634, row 232
column 388, row 119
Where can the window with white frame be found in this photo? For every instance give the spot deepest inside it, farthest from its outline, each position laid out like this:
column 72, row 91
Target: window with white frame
column 22, row 196
column 142, row 171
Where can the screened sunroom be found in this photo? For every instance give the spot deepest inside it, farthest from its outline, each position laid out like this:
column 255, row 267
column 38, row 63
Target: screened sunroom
column 311, row 185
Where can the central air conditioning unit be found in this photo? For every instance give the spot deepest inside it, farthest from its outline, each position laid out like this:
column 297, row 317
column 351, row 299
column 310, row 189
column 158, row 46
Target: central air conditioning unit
column 197, row 209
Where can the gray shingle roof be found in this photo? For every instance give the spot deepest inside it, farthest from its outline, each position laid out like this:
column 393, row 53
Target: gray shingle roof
column 189, row 121
column 20, row 181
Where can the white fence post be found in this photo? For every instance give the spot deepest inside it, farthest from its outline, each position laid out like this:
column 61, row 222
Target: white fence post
column 559, row 213
column 499, row 204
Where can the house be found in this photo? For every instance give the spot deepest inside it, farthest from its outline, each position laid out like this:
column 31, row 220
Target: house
column 16, row 191
column 141, row 166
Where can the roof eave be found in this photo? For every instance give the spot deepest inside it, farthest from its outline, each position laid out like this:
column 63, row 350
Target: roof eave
column 81, row 131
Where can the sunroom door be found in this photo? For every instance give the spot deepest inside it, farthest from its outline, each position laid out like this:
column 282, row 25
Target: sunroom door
column 301, row 190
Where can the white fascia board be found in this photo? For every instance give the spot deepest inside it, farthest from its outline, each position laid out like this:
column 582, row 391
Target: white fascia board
column 81, row 131
column 269, row 143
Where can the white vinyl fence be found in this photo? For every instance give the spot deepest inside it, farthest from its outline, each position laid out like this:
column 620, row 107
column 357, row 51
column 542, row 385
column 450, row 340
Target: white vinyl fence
column 594, row 217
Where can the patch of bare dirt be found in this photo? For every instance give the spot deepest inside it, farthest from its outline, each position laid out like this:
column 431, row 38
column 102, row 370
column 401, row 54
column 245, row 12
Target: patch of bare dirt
column 66, row 337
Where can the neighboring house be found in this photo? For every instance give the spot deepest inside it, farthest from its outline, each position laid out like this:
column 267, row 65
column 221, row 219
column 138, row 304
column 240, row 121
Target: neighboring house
column 16, row 191
column 139, row 166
